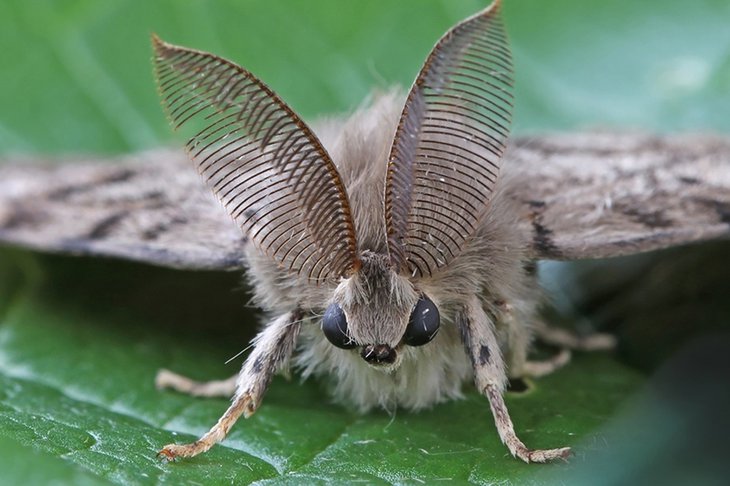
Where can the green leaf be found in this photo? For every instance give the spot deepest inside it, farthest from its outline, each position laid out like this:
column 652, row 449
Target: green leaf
column 81, row 340
column 77, row 369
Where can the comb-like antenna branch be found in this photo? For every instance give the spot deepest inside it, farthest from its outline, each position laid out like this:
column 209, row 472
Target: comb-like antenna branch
column 445, row 158
column 261, row 160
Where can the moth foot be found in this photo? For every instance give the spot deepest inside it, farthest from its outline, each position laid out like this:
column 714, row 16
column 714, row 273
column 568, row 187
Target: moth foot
column 536, row 369
column 569, row 340
column 542, row 455
column 173, row 451
column 598, row 341
column 166, row 379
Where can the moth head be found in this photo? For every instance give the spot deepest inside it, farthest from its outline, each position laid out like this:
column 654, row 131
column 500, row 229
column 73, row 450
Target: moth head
column 377, row 311
column 279, row 184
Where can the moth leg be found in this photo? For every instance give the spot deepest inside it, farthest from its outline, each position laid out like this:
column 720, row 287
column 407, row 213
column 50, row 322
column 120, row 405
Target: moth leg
column 568, row 342
column 480, row 341
column 545, row 367
column 518, row 338
column 272, row 349
column 565, row 339
column 214, row 388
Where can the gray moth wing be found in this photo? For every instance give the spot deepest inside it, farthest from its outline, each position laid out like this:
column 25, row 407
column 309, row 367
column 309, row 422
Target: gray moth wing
column 600, row 195
column 580, row 195
column 149, row 207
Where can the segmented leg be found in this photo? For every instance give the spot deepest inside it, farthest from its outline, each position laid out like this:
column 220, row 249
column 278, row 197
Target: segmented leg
column 518, row 365
column 478, row 334
column 518, row 338
column 565, row 339
column 214, row 388
column 272, row 349
column 536, row 369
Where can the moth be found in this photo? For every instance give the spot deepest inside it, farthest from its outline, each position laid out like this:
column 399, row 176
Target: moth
column 393, row 251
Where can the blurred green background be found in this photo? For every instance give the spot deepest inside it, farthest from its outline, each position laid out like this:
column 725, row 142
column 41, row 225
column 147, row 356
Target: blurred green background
column 77, row 76
column 80, row 340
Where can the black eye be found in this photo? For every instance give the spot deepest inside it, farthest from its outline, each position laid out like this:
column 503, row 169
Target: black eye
column 334, row 326
column 424, row 323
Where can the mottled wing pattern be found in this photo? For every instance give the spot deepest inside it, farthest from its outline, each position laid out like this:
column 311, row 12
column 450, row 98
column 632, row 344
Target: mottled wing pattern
column 579, row 195
column 446, row 155
column 146, row 207
column 262, row 162
column 599, row 195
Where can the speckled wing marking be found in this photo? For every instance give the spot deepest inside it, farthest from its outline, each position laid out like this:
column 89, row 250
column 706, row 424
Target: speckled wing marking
column 445, row 158
column 262, row 162
column 579, row 195
column 599, row 195
column 147, row 207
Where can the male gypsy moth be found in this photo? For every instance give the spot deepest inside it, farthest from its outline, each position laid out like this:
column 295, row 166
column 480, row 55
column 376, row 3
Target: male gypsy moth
column 392, row 251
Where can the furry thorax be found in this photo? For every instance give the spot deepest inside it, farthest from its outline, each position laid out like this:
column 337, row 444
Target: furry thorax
column 491, row 266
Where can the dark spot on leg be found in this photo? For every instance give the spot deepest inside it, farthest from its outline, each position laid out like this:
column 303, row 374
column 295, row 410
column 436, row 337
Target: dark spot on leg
column 462, row 323
column 535, row 204
column 258, row 365
column 517, row 385
column 484, row 355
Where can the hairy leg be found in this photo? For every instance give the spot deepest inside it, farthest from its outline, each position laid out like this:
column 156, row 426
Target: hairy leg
column 567, row 341
column 536, row 369
column 563, row 338
column 479, row 338
column 272, row 349
column 214, row 388
column 519, row 340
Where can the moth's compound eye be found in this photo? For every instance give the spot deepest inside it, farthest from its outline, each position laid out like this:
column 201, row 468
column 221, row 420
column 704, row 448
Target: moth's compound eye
column 424, row 323
column 334, row 326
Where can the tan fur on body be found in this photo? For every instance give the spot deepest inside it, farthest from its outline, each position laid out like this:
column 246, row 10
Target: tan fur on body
column 404, row 217
column 490, row 266
column 371, row 238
